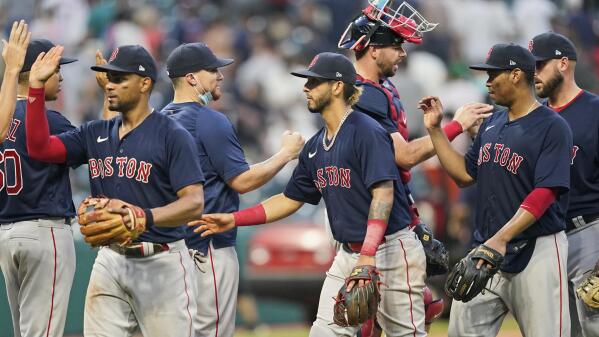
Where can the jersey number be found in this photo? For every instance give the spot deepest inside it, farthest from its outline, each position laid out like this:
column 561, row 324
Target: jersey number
column 11, row 160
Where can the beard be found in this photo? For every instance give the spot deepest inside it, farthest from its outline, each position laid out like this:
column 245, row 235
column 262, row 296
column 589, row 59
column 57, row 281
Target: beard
column 319, row 104
column 551, row 85
column 387, row 70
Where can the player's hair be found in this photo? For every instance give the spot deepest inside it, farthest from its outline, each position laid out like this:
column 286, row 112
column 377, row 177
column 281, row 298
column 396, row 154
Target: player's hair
column 360, row 53
column 529, row 77
column 351, row 93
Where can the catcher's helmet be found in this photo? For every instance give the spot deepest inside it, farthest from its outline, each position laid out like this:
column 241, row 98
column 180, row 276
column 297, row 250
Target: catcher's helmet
column 385, row 23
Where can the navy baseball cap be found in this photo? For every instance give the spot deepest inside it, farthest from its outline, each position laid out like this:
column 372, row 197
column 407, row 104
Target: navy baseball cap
column 131, row 59
column 551, row 45
column 507, row 57
column 192, row 57
column 330, row 66
column 36, row 47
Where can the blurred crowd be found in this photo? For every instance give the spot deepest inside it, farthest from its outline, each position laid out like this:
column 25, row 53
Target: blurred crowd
column 269, row 38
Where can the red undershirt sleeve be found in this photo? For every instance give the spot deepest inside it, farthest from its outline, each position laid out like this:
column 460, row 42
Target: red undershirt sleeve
column 40, row 144
column 538, row 200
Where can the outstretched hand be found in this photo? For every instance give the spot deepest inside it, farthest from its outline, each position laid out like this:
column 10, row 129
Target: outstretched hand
column 433, row 111
column 45, row 66
column 472, row 114
column 14, row 50
column 213, row 224
column 101, row 77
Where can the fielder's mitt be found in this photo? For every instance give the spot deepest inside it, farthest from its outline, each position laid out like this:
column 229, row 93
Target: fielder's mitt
column 464, row 282
column 103, row 221
column 588, row 290
column 437, row 257
column 360, row 303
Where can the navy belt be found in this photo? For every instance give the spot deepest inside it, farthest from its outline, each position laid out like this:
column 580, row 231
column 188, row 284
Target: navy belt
column 140, row 249
column 581, row 221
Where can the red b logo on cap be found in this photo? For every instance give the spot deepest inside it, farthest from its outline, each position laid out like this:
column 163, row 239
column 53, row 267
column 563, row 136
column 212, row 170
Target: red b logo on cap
column 314, row 60
column 113, row 55
column 489, row 53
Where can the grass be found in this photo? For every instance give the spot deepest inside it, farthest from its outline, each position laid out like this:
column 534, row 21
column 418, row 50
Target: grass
column 439, row 329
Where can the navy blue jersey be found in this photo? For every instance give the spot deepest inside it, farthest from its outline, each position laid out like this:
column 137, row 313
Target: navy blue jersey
column 145, row 168
column 361, row 156
column 30, row 189
column 222, row 159
column 510, row 159
column 582, row 114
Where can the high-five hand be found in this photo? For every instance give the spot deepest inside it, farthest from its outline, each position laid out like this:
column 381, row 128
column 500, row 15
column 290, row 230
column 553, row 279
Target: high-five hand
column 14, row 50
column 213, row 223
column 45, row 66
column 433, row 111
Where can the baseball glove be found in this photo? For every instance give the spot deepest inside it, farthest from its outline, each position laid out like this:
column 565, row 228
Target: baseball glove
column 107, row 221
column 464, row 282
column 588, row 290
column 360, row 303
column 437, row 257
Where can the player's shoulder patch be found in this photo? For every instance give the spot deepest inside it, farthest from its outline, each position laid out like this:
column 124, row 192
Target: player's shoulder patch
column 373, row 101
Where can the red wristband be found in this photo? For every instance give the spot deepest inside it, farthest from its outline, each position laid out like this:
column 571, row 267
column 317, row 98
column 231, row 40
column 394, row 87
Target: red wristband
column 375, row 232
column 255, row 215
column 452, row 130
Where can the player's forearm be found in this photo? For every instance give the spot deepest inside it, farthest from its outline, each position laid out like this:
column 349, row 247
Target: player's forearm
column 40, row 145
column 412, row 153
column 516, row 225
column 279, row 207
column 259, row 174
column 189, row 206
column 378, row 217
column 452, row 161
column 8, row 100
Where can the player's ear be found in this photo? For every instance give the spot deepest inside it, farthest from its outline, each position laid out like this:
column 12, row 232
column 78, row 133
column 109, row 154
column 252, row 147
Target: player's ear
column 146, row 85
column 338, row 88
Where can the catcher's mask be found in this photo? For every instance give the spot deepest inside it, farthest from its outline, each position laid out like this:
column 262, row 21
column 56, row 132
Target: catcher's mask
column 385, row 23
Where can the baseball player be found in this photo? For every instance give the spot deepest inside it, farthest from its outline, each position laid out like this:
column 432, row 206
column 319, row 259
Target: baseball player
column 194, row 71
column 520, row 161
column 37, row 254
column 349, row 163
column 137, row 157
column 377, row 37
column 554, row 80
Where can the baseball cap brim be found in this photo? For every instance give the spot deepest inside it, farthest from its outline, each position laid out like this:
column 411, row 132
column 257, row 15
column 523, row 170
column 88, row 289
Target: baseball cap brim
column 110, row 67
column 484, row 66
column 221, row 63
column 306, row 74
column 66, row 60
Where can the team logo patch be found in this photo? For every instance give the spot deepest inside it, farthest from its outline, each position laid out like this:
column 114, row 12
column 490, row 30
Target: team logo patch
column 113, row 55
column 531, row 44
column 314, row 60
column 141, row 68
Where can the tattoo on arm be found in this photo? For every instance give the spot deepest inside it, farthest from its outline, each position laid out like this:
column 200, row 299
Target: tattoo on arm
column 382, row 201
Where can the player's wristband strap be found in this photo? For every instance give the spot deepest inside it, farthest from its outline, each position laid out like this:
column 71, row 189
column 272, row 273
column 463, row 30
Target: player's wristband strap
column 452, row 130
column 375, row 232
column 255, row 215
column 149, row 217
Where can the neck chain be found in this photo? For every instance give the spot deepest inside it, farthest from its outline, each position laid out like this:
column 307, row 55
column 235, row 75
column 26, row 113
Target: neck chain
column 530, row 107
column 324, row 143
